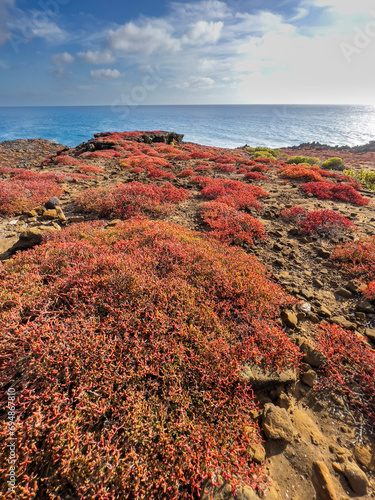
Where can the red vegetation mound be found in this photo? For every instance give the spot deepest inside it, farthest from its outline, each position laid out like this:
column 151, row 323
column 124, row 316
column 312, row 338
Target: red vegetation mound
column 125, row 347
column 336, row 192
column 17, row 195
column 134, row 198
column 230, row 225
column 349, row 368
column 325, row 223
column 358, row 258
column 234, row 193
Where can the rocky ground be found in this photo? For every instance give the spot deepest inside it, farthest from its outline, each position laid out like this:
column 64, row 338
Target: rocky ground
column 315, row 447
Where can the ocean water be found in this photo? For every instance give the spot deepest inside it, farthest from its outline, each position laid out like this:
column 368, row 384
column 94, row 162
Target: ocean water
column 225, row 126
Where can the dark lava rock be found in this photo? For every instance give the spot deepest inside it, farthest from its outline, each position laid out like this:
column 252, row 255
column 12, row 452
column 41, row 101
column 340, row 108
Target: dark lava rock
column 52, row 203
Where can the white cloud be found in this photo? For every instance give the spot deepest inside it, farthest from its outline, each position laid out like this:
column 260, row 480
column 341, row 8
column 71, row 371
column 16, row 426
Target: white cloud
column 5, row 8
column 347, row 7
column 37, row 24
column 208, row 9
column 96, row 57
column 145, row 39
column 301, row 13
column 200, row 82
column 105, row 74
column 262, row 22
column 203, row 32
column 62, row 59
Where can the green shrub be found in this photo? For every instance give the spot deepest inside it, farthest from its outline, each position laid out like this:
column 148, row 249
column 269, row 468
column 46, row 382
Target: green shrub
column 303, row 159
column 334, row 164
column 367, row 178
column 263, row 150
column 263, row 154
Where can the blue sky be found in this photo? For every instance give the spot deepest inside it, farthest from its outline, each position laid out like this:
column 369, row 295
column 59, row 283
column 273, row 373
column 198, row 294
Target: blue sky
column 81, row 52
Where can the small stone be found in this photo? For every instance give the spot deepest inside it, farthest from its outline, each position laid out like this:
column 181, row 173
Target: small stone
column 113, row 223
column 314, row 319
column 353, row 286
column 370, row 334
column 50, row 214
column 365, row 457
column 305, row 307
column 262, row 379
column 60, row 214
column 52, row 203
column 31, row 213
column 344, row 293
column 289, row 318
column 360, row 316
column 307, row 294
column 309, row 378
column 277, row 247
column 356, row 478
column 318, row 284
column 365, row 306
column 340, row 320
column 40, row 210
column 257, row 453
column 76, row 219
column 323, row 253
column 323, row 311
column 276, row 423
column 312, row 356
column 322, row 481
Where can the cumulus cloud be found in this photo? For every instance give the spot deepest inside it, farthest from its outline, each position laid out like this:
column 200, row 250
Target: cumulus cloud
column 96, row 57
column 105, row 74
column 5, row 9
column 145, row 39
column 203, row 32
column 62, row 59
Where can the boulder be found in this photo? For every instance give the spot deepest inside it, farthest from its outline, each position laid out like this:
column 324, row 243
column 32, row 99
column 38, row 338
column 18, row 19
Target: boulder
column 313, row 357
column 276, row 423
column 322, row 481
column 52, row 203
column 259, row 378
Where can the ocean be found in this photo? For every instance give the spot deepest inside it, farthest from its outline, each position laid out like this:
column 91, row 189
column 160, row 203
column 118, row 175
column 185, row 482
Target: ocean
column 224, row 125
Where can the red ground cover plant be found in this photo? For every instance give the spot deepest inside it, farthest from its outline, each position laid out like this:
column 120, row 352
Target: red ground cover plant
column 230, row 225
column 293, row 214
column 255, row 176
column 234, row 193
column 90, row 169
column 225, row 168
column 300, row 173
column 104, row 153
column 358, row 258
column 336, row 192
column 127, row 375
column 134, row 198
column 66, row 160
column 188, row 172
column 349, row 368
column 19, row 195
column 259, row 168
column 137, row 170
column 325, row 223
column 156, row 173
column 144, row 161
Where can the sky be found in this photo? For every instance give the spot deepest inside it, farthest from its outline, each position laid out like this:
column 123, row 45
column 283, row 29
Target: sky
column 91, row 52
